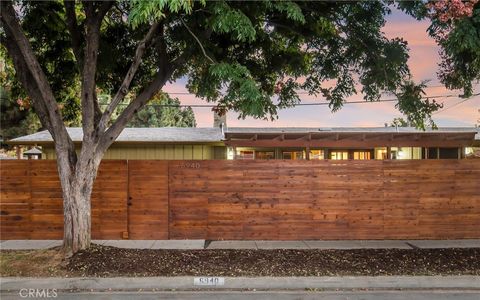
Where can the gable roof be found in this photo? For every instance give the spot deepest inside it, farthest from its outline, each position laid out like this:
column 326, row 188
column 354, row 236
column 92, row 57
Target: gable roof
column 33, row 151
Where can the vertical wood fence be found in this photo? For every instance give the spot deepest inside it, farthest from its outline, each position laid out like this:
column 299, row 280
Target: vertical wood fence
column 284, row 200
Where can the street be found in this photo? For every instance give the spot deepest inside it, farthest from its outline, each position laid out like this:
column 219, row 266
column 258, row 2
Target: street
column 272, row 295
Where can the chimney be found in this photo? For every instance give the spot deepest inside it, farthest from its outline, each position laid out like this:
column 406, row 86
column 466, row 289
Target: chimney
column 219, row 120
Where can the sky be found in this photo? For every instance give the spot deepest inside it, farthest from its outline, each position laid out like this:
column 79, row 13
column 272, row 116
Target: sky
column 423, row 63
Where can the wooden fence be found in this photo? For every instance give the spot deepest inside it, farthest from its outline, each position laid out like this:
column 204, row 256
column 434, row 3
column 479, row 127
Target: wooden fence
column 284, row 200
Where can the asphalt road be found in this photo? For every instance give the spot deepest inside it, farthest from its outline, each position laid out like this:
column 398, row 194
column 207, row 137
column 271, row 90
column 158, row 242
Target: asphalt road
column 270, row 295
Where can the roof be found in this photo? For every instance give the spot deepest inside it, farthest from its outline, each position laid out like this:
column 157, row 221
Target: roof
column 158, row 135
column 303, row 130
column 215, row 135
column 33, row 151
column 341, row 137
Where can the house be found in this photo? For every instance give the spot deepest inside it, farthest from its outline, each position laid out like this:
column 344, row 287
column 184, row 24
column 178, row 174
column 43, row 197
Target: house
column 290, row 143
column 144, row 191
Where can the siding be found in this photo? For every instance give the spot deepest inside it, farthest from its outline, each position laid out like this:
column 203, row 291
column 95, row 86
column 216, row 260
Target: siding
column 156, row 151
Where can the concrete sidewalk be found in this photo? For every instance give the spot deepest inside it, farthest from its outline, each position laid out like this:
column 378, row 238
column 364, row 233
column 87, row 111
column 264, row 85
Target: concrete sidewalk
column 274, row 283
column 202, row 244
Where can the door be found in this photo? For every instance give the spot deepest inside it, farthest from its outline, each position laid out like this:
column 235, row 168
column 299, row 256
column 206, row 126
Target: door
column 148, row 199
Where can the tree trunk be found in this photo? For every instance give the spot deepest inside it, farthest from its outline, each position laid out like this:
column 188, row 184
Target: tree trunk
column 77, row 220
column 77, row 183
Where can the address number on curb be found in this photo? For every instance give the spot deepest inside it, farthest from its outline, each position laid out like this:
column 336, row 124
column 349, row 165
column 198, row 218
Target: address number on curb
column 208, row 281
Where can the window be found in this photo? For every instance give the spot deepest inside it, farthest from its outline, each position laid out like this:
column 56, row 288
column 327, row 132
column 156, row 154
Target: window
column 230, row 153
column 362, row 155
column 406, row 152
column 432, row 153
column 264, row 155
column 469, row 152
column 381, row 153
column 293, row 155
column 317, row 154
column 245, row 154
column 416, row 152
column 448, row 153
column 338, row 155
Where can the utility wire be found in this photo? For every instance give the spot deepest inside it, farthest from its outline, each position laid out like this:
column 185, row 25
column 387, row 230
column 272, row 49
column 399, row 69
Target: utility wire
column 299, row 93
column 299, row 104
column 458, row 103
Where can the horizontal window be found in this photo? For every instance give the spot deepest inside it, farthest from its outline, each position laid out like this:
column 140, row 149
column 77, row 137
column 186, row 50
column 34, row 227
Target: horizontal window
column 339, row 155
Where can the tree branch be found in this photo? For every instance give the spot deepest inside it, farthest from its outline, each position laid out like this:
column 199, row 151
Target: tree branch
column 136, row 105
column 123, row 90
column 26, row 62
column 198, row 41
column 35, row 82
column 26, row 79
column 103, row 9
column 75, row 32
column 90, row 108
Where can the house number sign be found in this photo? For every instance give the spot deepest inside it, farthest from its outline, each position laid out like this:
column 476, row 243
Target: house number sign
column 209, row 281
column 190, row 165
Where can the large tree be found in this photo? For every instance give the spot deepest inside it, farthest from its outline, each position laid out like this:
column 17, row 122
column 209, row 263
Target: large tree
column 250, row 57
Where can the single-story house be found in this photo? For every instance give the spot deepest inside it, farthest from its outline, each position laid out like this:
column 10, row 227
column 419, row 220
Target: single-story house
column 290, row 143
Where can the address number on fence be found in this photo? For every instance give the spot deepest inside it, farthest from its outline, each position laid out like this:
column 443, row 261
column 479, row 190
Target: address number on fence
column 209, row 281
column 190, row 165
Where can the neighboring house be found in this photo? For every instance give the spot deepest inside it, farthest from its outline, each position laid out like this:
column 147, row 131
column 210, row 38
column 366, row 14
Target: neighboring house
column 277, row 143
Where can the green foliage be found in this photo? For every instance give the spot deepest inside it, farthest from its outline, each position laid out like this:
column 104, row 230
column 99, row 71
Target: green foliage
column 251, row 57
column 461, row 53
column 459, row 41
column 399, row 122
column 51, row 41
column 417, row 108
column 230, row 20
column 242, row 90
column 154, row 10
column 44, row 24
column 14, row 120
column 416, row 9
column 163, row 111
column 293, row 11
column 296, row 46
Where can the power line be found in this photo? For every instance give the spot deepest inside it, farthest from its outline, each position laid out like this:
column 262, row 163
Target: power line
column 299, row 104
column 300, row 93
column 458, row 103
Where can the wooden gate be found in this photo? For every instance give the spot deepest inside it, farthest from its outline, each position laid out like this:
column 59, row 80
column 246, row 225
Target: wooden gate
column 148, row 199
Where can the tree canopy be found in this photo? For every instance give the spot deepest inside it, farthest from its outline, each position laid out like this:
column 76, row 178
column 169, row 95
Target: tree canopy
column 455, row 26
column 252, row 58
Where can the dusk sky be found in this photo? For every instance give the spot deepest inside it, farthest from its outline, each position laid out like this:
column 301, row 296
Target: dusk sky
column 423, row 63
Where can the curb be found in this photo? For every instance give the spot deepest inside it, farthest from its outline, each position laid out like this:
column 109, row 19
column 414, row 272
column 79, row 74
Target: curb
column 282, row 283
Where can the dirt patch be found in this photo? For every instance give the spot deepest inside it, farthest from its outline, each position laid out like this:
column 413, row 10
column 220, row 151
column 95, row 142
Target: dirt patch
column 103, row 261
column 41, row 263
column 110, row 261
